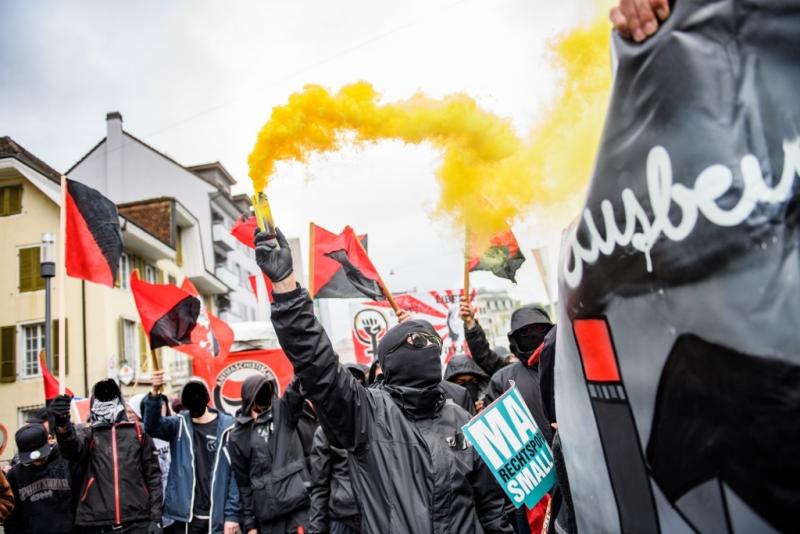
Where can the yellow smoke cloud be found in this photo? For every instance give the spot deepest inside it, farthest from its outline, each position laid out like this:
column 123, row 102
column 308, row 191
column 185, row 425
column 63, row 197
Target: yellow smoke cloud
column 489, row 175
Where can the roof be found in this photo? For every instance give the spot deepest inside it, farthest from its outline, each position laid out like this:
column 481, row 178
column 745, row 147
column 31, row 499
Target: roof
column 10, row 148
column 214, row 165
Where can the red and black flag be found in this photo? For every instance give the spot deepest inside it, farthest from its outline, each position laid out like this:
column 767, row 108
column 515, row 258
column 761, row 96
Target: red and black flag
column 168, row 313
column 244, row 229
column 502, row 256
column 51, row 384
column 212, row 336
column 94, row 239
column 340, row 267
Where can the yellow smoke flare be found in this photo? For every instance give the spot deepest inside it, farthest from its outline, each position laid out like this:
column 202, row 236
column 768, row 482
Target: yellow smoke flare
column 489, row 176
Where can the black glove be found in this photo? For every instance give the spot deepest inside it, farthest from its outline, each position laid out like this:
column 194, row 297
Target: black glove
column 274, row 257
column 59, row 410
column 155, row 528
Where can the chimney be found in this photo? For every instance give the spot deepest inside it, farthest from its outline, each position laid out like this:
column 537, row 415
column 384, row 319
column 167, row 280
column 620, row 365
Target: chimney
column 114, row 150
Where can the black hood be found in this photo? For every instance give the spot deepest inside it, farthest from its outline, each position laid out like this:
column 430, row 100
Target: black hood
column 526, row 315
column 407, row 366
column 463, row 364
column 250, row 388
column 358, row 368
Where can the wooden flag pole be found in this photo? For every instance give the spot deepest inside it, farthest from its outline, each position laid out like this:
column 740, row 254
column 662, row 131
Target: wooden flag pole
column 62, row 282
column 466, row 263
column 156, row 366
column 537, row 257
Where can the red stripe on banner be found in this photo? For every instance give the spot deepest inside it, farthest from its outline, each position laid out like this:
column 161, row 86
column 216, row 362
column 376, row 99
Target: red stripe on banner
column 596, row 349
column 84, row 259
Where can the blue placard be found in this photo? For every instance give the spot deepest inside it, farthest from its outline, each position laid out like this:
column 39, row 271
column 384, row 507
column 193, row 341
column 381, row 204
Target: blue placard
column 508, row 440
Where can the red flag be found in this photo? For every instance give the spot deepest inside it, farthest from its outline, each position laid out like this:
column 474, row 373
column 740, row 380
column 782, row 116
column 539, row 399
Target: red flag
column 244, row 230
column 502, row 257
column 212, row 336
column 168, row 313
column 224, row 376
column 50, row 382
column 94, row 239
column 267, row 281
column 340, row 267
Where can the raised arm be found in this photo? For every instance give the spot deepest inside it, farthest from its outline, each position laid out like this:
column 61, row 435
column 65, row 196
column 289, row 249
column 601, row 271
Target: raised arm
column 342, row 404
column 482, row 354
column 71, row 443
column 155, row 424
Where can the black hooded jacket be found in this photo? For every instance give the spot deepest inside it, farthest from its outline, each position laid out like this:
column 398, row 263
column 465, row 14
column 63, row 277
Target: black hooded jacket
column 44, row 497
column 461, row 364
column 410, row 466
column 525, row 376
column 122, row 478
column 268, row 461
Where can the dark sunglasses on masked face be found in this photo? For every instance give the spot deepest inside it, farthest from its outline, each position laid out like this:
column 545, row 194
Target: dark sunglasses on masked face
column 417, row 340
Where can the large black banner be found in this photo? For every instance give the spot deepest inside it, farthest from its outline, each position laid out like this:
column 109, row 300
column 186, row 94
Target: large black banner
column 678, row 366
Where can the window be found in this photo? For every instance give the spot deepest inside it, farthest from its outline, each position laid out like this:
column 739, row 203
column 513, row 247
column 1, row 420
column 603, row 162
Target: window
column 150, row 274
column 124, row 271
column 242, row 275
column 129, row 345
column 30, row 274
column 10, row 200
column 32, row 344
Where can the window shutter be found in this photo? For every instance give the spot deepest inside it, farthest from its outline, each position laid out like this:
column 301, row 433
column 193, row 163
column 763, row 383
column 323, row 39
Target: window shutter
column 25, row 270
column 30, row 276
column 143, row 350
column 8, row 354
column 121, row 339
column 160, row 276
column 179, row 247
column 14, row 200
column 56, row 355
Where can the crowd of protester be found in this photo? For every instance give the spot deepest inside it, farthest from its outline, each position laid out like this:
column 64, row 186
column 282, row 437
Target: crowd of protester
column 344, row 449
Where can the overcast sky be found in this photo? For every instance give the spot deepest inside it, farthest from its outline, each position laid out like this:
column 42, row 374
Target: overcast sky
column 197, row 80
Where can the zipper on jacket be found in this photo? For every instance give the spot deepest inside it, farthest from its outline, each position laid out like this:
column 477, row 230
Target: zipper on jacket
column 86, row 491
column 117, row 512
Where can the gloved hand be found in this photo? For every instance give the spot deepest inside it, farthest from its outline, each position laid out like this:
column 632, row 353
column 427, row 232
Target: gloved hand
column 274, row 257
column 155, row 528
column 59, row 410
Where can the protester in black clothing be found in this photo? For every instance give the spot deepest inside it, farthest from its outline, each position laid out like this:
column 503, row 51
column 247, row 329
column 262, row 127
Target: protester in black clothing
column 268, row 458
column 121, row 488
column 411, row 467
column 461, row 370
column 45, row 486
column 561, row 510
column 333, row 505
column 529, row 325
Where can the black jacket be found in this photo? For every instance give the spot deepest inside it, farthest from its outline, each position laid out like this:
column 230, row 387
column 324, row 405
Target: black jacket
column 268, row 461
column 122, row 478
column 459, row 395
column 409, row 474
column 331, row 490
column 524, row 376
column 45, row 497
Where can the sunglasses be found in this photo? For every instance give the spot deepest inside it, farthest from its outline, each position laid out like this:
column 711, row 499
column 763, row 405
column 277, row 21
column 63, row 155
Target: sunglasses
column 418, row 340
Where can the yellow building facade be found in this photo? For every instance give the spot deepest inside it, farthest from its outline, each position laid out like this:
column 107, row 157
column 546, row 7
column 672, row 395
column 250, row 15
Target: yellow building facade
column 103, row 334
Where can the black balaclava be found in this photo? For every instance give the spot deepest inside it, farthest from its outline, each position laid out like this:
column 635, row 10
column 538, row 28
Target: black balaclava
column 406, row 366
column 194, row 398
column 473, row 388
column 523, row 346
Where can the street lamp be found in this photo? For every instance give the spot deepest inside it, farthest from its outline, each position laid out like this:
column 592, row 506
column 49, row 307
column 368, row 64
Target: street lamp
column 47, row 268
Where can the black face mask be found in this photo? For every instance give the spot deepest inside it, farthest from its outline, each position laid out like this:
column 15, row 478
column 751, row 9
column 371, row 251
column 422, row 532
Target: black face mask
column 526, row 340
column 263, row 400
column 414, row 368
column 473, row 388
column 195, row 399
